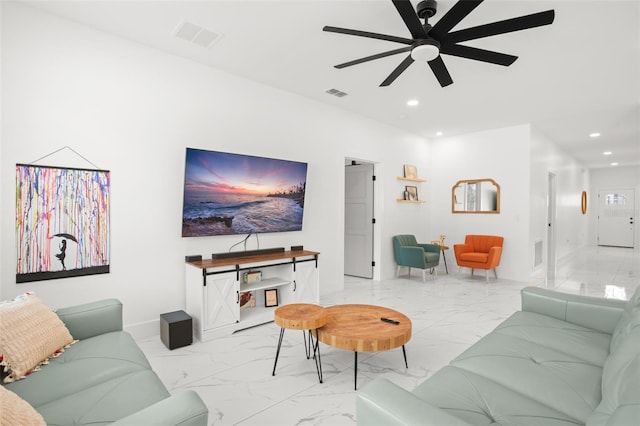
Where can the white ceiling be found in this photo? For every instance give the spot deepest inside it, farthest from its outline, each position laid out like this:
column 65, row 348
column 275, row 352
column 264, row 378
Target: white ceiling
column 577, row 76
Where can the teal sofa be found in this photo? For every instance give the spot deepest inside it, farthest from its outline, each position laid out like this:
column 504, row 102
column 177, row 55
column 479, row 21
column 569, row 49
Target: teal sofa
column 104, row 378
column 411, row 254
column 562, row 360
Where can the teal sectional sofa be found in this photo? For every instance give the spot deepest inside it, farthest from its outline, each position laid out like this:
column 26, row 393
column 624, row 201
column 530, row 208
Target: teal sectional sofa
column 562, row 360
column 104, row 378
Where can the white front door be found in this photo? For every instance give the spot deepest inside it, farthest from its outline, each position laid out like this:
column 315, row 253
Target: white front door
column 358, row 220
column 616, row 219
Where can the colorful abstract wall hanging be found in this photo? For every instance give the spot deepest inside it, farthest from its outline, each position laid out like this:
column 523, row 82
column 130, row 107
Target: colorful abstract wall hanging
column 62, row 222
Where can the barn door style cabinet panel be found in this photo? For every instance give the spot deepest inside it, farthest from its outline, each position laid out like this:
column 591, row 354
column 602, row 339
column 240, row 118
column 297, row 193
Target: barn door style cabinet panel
column 227, row 295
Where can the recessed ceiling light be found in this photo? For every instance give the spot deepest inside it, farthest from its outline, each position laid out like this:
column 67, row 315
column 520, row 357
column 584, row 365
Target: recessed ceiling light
column 413, row 102
column 337, row 93
column 438, row 133
column 606, row 153
column 594, row 135
column 614, row 164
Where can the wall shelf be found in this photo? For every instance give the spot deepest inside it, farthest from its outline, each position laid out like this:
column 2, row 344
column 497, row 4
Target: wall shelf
column 401, row 200
column 411, row 179
column 415, row 180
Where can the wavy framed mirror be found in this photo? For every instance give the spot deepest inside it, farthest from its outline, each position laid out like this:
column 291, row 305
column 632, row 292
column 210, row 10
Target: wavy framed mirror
column 475, row 196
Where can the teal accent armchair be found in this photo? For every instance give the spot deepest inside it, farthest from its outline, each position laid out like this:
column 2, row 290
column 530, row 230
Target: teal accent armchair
column 411, row 254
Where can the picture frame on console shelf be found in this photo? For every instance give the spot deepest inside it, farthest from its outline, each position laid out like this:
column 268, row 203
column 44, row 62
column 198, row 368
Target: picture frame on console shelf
column 247, row 300
column 412, row 193
column 252, row 277
column 271, row 298
column 410, row 172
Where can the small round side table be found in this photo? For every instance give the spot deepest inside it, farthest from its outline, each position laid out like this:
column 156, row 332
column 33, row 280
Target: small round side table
column 443, row 248
column 306, row 317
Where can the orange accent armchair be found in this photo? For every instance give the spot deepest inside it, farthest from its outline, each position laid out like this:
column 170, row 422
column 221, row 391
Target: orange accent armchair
column 479, row 252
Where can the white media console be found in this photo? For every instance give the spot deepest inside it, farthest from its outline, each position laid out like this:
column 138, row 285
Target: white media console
column 214, row 288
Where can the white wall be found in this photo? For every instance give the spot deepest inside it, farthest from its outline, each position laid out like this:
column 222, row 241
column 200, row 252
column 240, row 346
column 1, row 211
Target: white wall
column 571, row 226
column 133, row 110
column 519, row 159
column 502, row 155
column 614, row 177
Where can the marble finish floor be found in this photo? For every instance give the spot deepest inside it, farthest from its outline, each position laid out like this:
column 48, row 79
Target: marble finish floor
column 449, row 313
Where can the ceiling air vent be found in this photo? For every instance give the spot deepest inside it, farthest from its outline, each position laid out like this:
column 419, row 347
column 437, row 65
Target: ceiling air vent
column 196, row 34
column 337, row 93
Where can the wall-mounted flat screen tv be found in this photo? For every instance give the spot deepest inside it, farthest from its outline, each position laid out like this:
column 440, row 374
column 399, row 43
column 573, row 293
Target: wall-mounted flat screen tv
column 227, row 193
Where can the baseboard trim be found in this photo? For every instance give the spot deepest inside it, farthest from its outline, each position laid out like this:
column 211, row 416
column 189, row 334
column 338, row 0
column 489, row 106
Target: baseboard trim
column 144, row 330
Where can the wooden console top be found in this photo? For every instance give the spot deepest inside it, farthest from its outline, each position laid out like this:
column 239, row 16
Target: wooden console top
column 241, row 260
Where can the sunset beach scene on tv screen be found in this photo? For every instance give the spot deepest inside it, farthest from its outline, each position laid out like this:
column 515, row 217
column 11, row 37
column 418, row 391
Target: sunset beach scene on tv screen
column 227, row 193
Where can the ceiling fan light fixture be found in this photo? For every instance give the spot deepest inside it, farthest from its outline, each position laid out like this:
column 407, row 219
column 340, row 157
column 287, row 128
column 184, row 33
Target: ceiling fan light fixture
column 425, row 52
column 424, row 43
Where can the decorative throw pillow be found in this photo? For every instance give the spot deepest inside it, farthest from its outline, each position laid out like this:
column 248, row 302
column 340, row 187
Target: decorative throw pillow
column 16, row 411
column 30, row 334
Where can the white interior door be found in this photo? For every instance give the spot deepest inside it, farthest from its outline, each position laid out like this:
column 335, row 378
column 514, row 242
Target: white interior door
column 358, row 220
column 616, row 219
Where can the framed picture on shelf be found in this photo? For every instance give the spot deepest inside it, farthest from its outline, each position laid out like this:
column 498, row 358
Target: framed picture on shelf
column 410, row 172
column 412, row 193
column 271, row 297
column 247, row 300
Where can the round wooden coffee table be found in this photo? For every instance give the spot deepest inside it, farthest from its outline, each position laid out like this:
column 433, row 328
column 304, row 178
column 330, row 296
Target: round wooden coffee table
column 360, row 328
column 305, row 317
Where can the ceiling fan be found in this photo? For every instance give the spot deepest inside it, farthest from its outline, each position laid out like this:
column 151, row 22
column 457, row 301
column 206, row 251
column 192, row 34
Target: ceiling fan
column 428, row 42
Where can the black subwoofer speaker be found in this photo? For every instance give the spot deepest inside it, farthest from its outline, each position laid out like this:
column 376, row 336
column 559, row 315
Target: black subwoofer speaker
column 176, row 329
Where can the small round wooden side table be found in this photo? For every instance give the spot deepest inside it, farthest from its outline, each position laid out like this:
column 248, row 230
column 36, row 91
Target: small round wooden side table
column 306, row 317
column 442, row 249
column 365, row 328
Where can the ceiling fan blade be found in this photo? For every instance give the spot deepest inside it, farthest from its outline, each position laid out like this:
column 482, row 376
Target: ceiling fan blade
column 478, row 54
column 440, row 71
column 457, row 13
column 396, row 72
column 501, row 27
column 410, row 18
column 367, row 34
column 373, row 57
